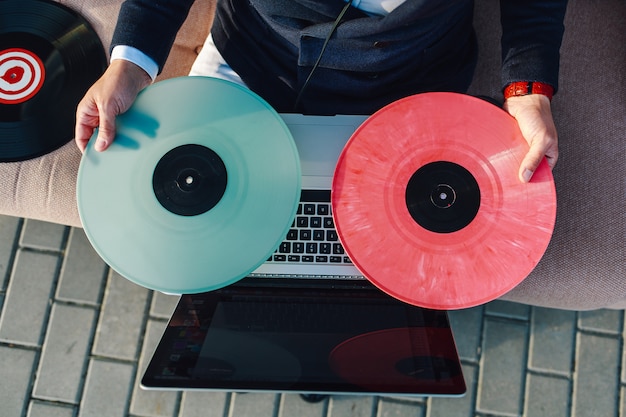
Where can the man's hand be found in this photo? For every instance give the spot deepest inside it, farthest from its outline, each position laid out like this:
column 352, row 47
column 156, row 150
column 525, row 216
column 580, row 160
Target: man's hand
column 110, row 96
column 534, row 116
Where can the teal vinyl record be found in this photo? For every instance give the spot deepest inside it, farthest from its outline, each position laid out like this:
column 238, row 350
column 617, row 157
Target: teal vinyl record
column 199, row 187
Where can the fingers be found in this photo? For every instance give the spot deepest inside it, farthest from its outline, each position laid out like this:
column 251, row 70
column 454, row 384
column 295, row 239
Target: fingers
column 86, row 121
column 540, row 149
column 106, row 131
column 534, row 117
column 92, row 113
column 109, row 97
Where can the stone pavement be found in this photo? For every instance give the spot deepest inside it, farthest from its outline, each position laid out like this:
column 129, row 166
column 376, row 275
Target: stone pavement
column 75, row 337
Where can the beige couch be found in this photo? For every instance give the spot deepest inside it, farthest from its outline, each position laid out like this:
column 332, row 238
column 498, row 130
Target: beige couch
column 585, row 264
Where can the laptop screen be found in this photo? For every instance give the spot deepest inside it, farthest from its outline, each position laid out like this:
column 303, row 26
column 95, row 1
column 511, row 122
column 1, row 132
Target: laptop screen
column 312, row 337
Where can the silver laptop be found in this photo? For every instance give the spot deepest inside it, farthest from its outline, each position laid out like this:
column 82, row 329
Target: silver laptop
column 310, row 336
column 312, row 248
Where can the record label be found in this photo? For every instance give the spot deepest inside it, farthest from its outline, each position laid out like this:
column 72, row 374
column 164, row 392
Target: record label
column 22, row 74
column 429, row 207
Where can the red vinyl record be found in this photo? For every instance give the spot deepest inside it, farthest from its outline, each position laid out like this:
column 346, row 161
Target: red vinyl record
column 382, row 360
column 428, row 205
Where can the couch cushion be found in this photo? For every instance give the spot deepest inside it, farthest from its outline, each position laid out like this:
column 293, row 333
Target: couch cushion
column 585, row 264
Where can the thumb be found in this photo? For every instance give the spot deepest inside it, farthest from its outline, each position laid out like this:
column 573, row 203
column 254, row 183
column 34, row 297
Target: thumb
column 531, row 162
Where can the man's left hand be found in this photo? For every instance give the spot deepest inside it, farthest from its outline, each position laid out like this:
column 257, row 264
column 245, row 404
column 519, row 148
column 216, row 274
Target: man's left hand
column 534, row 116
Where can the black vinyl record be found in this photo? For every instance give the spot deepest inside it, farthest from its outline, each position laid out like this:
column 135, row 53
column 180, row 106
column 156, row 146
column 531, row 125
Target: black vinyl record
column 49, row 57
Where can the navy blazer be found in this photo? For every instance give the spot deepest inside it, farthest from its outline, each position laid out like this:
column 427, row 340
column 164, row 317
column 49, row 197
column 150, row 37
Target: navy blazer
column 423, row 45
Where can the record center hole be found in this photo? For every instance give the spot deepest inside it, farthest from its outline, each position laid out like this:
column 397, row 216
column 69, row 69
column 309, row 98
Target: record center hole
column 188, row 179
column 443, row 196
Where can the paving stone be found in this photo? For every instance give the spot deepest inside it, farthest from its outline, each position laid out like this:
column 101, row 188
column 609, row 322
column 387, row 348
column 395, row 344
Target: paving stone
column 107, row 390
column 16, row 368
column 507, row 309
column 351, row 406
column 26, row 301
column 466, row 327
column 601, row 320
column 121, row 319
column 388, row 407
column 495, row 351
column 151, row 403
column 9, row 229
column 82, row 273
column 43, row 409
column 43, row 235
column 205, row 404
column 294, row 405
column 547, row 396
column 624, row 360
column 552, row 340
column 163, row 305
column 62, row 364
column 254, row 404
column 501, row 378
column 596, row 386
column 408, row 399
column 456, row 406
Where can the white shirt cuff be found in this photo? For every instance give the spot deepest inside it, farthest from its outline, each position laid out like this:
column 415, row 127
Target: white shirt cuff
column 137, row 57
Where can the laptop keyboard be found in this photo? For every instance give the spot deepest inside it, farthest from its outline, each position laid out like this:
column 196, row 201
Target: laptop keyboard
column 312, row 237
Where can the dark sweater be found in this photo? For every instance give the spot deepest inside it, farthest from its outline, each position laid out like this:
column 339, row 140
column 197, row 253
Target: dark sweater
column 423, row 45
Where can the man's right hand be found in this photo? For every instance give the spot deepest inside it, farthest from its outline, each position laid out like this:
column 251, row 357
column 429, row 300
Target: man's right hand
column 110, row 96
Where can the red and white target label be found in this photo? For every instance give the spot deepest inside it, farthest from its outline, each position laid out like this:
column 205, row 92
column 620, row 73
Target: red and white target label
column 22, row 75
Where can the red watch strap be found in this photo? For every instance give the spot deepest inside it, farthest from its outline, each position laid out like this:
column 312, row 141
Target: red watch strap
column 522, row 88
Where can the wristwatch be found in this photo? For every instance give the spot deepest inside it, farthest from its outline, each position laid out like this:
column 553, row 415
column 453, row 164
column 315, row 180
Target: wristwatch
column 523, row 88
